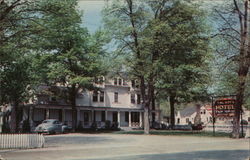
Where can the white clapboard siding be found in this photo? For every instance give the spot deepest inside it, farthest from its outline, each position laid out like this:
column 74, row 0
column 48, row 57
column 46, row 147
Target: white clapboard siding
column 21, row 141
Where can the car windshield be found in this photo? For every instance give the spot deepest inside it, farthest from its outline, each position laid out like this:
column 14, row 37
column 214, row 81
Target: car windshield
column 48, row 121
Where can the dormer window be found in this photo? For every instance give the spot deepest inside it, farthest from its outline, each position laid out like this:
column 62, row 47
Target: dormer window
column 115, row 81
column 120, row 81
column 95, row 96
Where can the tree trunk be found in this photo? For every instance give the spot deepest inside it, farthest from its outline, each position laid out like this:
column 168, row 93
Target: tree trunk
column 172, row 111
column 244, row 63
column 197, row 118
column 145, row 105
column 146, row 119
column 73, row 105
column 13, row 123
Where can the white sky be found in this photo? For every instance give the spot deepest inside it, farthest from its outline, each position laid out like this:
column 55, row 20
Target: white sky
column 92, row 13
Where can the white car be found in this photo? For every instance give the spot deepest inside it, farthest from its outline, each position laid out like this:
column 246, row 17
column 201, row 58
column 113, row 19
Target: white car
column 51, row 126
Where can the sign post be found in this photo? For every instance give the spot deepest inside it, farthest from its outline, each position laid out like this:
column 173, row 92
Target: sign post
column 213, row 116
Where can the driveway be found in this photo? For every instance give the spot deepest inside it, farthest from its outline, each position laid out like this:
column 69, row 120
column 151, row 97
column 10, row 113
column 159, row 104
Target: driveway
column 133, row 147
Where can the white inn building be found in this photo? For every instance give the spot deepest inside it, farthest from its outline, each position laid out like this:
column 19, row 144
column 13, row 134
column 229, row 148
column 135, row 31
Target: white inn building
column 117, row 100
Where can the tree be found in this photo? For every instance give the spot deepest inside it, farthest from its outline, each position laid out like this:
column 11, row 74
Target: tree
column 15, row 71
column 151, row 33
column 15, row 79
column 234, row 32
column 72, row 55
column 184, row 65
column 125, row 21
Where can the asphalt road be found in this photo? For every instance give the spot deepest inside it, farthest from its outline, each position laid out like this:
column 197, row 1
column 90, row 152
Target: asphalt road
column 133, row 147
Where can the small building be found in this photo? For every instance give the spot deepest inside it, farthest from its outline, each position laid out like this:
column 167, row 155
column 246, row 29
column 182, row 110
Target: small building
column 188, row 114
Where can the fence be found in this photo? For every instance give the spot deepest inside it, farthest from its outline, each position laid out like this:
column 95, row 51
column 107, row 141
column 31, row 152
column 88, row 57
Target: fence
column 21, row 141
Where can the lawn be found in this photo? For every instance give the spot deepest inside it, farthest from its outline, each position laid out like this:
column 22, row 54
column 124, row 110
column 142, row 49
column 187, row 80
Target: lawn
column 177, row 133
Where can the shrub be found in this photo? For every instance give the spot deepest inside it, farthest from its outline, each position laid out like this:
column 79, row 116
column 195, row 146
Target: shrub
column 79, row 127
column 94, row 126
column 107, row 124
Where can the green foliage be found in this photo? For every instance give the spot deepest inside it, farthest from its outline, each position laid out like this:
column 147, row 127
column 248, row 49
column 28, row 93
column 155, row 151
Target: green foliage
column 172, row 40
column 181, row 40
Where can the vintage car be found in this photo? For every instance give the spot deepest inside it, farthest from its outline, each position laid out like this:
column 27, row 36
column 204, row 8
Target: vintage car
column 51, row 126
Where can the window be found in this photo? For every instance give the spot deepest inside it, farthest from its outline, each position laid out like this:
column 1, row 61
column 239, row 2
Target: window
column 95, row 96
column 138, row 99
column 133, row 98
column 178, row 121
column 103, row 116
column 116, row 97
column 187, row 120
column 101, row 96
column 120, row 81
column 115, row 81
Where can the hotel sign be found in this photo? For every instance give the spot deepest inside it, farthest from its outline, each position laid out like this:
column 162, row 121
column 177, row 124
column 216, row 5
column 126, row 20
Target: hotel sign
column 224, row 107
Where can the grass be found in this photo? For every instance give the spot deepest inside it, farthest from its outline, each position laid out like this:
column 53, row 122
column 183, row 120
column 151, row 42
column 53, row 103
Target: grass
column 177, row 133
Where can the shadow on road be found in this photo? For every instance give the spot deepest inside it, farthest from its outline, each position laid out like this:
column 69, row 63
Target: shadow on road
column 201, row 155
column 54, row 141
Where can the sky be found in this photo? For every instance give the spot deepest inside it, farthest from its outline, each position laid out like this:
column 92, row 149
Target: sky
column 91, row 13
column 92, row 17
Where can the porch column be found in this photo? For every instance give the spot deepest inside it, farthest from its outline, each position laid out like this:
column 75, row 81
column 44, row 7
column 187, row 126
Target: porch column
column 106, row 115
column 129, row 119
column 77, row 116
column 1, row 123
column 140, row 119
column 47, row 114
column 63, row 116
column 25, row 114
column 119, row 119
column 31, row 118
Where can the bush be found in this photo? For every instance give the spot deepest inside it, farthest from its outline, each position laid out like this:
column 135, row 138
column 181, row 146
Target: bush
column 107, row 124
column 79, row 127
column 94, row 126
column 115, row 126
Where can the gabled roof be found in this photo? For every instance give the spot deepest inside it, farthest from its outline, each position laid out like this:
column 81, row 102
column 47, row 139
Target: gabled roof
column 187, row 111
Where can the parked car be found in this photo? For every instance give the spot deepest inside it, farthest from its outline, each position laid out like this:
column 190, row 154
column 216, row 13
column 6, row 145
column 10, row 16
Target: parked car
column 197, row 127
column 158, row 126
column 183, row 127
column 51, row 126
